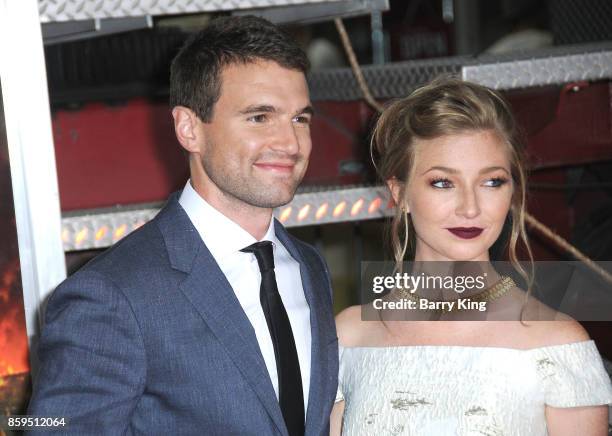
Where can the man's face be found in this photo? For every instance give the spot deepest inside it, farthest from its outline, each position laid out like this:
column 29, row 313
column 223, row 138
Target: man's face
column 255, row 149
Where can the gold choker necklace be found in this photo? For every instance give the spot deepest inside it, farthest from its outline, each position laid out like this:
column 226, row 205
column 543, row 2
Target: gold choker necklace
column 493, row 293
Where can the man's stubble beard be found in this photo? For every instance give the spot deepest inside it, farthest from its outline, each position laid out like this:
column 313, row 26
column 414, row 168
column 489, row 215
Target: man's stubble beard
column 252, row 192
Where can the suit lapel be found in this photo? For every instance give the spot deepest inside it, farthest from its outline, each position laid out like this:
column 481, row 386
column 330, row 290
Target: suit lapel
column 207, row 288
column 318, row 354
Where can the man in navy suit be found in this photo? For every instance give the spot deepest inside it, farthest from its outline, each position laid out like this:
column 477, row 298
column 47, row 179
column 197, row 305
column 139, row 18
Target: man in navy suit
column 211, row 319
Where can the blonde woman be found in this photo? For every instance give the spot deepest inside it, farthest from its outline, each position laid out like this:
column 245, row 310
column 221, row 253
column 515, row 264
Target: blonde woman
column 452, row 158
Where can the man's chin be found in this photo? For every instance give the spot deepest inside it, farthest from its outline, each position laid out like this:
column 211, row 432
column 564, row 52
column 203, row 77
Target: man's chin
column 278, row 194
column 273, row 199
column 280, row 201
column 267, row 193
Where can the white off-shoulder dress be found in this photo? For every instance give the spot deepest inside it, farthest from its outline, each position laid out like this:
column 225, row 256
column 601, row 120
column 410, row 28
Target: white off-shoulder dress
column 465, row 391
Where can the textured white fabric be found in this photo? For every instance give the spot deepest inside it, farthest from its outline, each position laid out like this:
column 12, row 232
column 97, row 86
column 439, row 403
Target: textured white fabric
column 465, row 391
column 224, row 239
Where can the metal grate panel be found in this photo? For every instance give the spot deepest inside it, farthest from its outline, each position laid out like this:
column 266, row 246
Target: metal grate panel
column 385, row 81
column 557, row 65
column 579, row 21
column 99, row 229
column 67, row 10
column 545, row 70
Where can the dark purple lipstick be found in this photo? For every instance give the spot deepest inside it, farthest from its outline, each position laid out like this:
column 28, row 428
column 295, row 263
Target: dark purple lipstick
column 466, row 232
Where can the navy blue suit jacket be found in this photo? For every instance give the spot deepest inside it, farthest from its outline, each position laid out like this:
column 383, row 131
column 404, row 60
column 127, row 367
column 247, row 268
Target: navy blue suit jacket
column 149, row 338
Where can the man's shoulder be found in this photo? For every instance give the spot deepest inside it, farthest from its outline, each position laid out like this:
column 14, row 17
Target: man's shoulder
column 142, row 249
column 139, row 255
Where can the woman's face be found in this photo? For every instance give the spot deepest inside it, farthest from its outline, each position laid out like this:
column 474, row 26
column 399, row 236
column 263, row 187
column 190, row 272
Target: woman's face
column 458, row 195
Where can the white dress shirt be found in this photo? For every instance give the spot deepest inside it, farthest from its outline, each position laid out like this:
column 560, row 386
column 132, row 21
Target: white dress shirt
column 224, row 239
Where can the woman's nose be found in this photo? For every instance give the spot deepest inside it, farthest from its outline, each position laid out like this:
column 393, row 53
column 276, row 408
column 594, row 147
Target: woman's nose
column 468, row 204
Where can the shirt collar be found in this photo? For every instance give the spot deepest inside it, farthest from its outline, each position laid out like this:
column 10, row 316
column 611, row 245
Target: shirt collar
column 221, row 235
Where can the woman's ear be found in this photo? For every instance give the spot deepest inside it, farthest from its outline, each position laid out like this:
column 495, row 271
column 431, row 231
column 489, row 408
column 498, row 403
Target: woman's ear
column 395, row 186
column 185, row 128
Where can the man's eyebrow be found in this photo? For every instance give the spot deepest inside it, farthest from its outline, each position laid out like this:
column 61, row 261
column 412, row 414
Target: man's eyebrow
column 306, row 110
column 266, row 108
column 258, row 108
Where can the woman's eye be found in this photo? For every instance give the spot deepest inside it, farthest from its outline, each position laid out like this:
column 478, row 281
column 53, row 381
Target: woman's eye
column 258, row 118
column 441, row 183
column 495, row 182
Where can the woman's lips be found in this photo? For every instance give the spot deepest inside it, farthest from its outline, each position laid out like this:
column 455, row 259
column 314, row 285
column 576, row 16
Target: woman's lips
column 466, row 232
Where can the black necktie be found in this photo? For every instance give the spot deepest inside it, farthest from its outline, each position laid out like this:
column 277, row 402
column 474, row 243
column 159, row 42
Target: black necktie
column 291, row 397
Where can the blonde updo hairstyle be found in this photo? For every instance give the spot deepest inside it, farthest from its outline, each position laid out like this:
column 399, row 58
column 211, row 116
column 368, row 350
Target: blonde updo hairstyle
column 446, row 106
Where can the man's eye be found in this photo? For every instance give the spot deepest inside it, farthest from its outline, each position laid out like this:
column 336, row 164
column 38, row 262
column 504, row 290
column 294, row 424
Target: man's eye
column 302, row 119
column 260, row 118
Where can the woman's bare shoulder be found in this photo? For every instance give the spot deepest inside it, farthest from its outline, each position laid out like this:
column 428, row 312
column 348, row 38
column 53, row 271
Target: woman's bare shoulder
column 547, row 326
column 352, row 330
column 563, row 330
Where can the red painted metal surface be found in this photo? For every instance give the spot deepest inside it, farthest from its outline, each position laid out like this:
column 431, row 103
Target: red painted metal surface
column 566, row 127
column 127, row 153
column 580, row 130
column 118, row 154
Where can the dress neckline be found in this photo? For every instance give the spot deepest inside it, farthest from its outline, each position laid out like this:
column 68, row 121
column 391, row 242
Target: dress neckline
column 468, row 347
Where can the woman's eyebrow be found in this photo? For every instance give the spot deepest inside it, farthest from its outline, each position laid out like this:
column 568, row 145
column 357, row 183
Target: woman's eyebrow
column 456, row 171
column 444, row 169
column 494, row 168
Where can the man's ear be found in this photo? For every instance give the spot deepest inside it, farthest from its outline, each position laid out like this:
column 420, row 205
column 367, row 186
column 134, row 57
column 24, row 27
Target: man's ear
column 395, row 186
column 185, row 127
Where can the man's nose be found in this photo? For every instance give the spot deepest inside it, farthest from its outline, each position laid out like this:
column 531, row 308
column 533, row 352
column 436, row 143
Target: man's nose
column 286, row 138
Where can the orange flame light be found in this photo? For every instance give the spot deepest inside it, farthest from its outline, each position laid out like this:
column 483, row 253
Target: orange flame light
column 339, row 209
column 357, row 207
column 13, row 337
column 101, row 233
column 321, row 211
column 81, row 236
column 120, row 232
column 285, row 214
column 303, row 213
column 375, row 205
column 65, row 236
